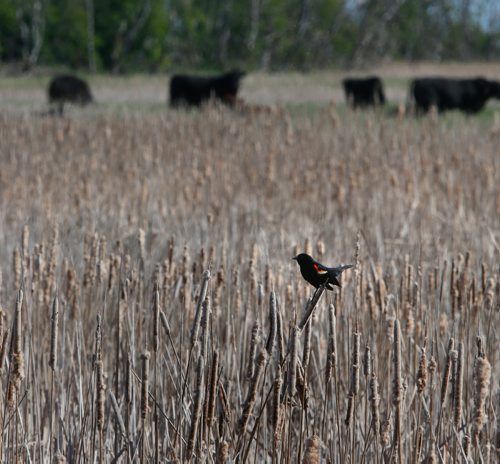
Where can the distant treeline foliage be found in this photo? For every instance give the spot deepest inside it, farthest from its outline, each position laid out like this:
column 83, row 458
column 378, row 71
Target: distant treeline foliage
column 149, row 35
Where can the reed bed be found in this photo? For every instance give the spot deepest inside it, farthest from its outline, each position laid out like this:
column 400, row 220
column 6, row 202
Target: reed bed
column 150, row 310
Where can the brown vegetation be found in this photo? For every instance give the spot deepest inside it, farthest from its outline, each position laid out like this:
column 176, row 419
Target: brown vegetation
column 150, row 309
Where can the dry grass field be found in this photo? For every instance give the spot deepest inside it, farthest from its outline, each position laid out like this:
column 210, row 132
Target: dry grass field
column 150, row 310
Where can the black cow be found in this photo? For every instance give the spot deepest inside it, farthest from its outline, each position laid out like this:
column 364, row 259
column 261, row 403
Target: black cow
column 195, row 90
column 468, row 95
column 68, row 89
column 364, row 92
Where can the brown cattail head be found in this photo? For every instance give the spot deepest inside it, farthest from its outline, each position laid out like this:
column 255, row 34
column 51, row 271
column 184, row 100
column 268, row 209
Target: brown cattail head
column 271, row 339
column 312, row 453
column 482, row 376
column 100, row 396
column 145, row 385
column 458, row 386
column 53, row 334
column 375, row 403
column 447, row 371
column 292, row 366
column 422, row 372
column 277, row 413
column 252, row 353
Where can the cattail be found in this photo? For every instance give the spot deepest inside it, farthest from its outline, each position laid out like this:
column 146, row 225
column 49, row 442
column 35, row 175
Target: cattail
column 271, row 340
column 422, row 372
column 355, row 363
column 116, row 410
column 312, row 452
column 17, row 267
column 306, row 354
column 277, row 414
column 100, row 398
column 198, row 314
column 53, row 334
column 302, row 388
column 222, row 452
column 145, row 386
column 254, row 340
column 129, row 384
column 252, row 392
column 350, row 410
column 280, row 338
column 197, row 408
column 331, row 356
column 320, row 248
column 374, row 399
column 212, row 388
column 367, row 362
column 482, row 376
column 308, row 246
column 25, row 247
column 205, row 324
column 458, row 386
column 372, row 307
column 17, row 357
column 142, row 244
column 292, row 366
column 311, row 304
column 466, row 447
column 447, row 371
column 397, row 391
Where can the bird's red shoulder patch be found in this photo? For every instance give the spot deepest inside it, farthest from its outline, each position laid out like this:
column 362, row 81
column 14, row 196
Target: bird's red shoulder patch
column 319, row 270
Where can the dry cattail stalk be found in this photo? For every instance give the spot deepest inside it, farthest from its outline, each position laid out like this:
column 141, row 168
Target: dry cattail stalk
column 306, row 354
column 222, row 452
column 397, row 390
column 25, row 247
column 292, row 365
column 367, row 363
column 277, row 414
column 17, row 267
column 271, row 339
column 53, row 334
column 252, row 352
column 482, row 376
column 119, row 418
column 145, row 386
column 280, row 337
column 312, row 452
column 331, row 355
column 100, row 397
column 205, row 324
column 252, row 392
column 212, row 388
column 311, row 304
column 16, row 354
column 447, row 371
column 355, row 363
column 422, row 372
column 458, row 386
column 197, row 408
column 197, row 320
column 374, row 399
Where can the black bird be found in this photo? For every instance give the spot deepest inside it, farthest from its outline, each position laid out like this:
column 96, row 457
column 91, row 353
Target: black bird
column 317, row 274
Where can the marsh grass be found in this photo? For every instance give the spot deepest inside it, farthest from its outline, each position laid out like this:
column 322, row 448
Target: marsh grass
column 166, row 240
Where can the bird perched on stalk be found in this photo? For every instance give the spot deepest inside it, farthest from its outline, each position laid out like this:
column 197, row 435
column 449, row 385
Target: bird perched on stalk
column 317, row 274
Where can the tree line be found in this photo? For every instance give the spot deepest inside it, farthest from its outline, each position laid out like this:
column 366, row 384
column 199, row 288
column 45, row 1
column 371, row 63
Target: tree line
column 153, row 35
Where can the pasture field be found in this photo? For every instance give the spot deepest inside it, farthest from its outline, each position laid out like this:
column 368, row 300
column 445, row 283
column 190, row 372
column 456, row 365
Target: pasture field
column 151, row 312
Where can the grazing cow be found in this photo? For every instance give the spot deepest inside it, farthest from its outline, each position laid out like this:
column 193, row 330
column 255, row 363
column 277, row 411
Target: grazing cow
column 68, row 89
column 195, row 90
column 468, row 95
column 364, row 92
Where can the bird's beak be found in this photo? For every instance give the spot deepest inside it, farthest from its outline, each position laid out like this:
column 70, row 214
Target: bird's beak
column 295, row 258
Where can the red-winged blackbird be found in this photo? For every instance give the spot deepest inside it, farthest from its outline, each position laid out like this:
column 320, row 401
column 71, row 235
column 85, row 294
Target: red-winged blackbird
column 317, row 274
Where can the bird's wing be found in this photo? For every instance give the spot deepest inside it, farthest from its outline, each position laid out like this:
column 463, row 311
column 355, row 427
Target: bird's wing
column 321, row 270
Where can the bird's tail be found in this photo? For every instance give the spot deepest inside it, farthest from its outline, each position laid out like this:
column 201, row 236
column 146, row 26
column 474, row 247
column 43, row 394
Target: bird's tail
column 343, row 268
